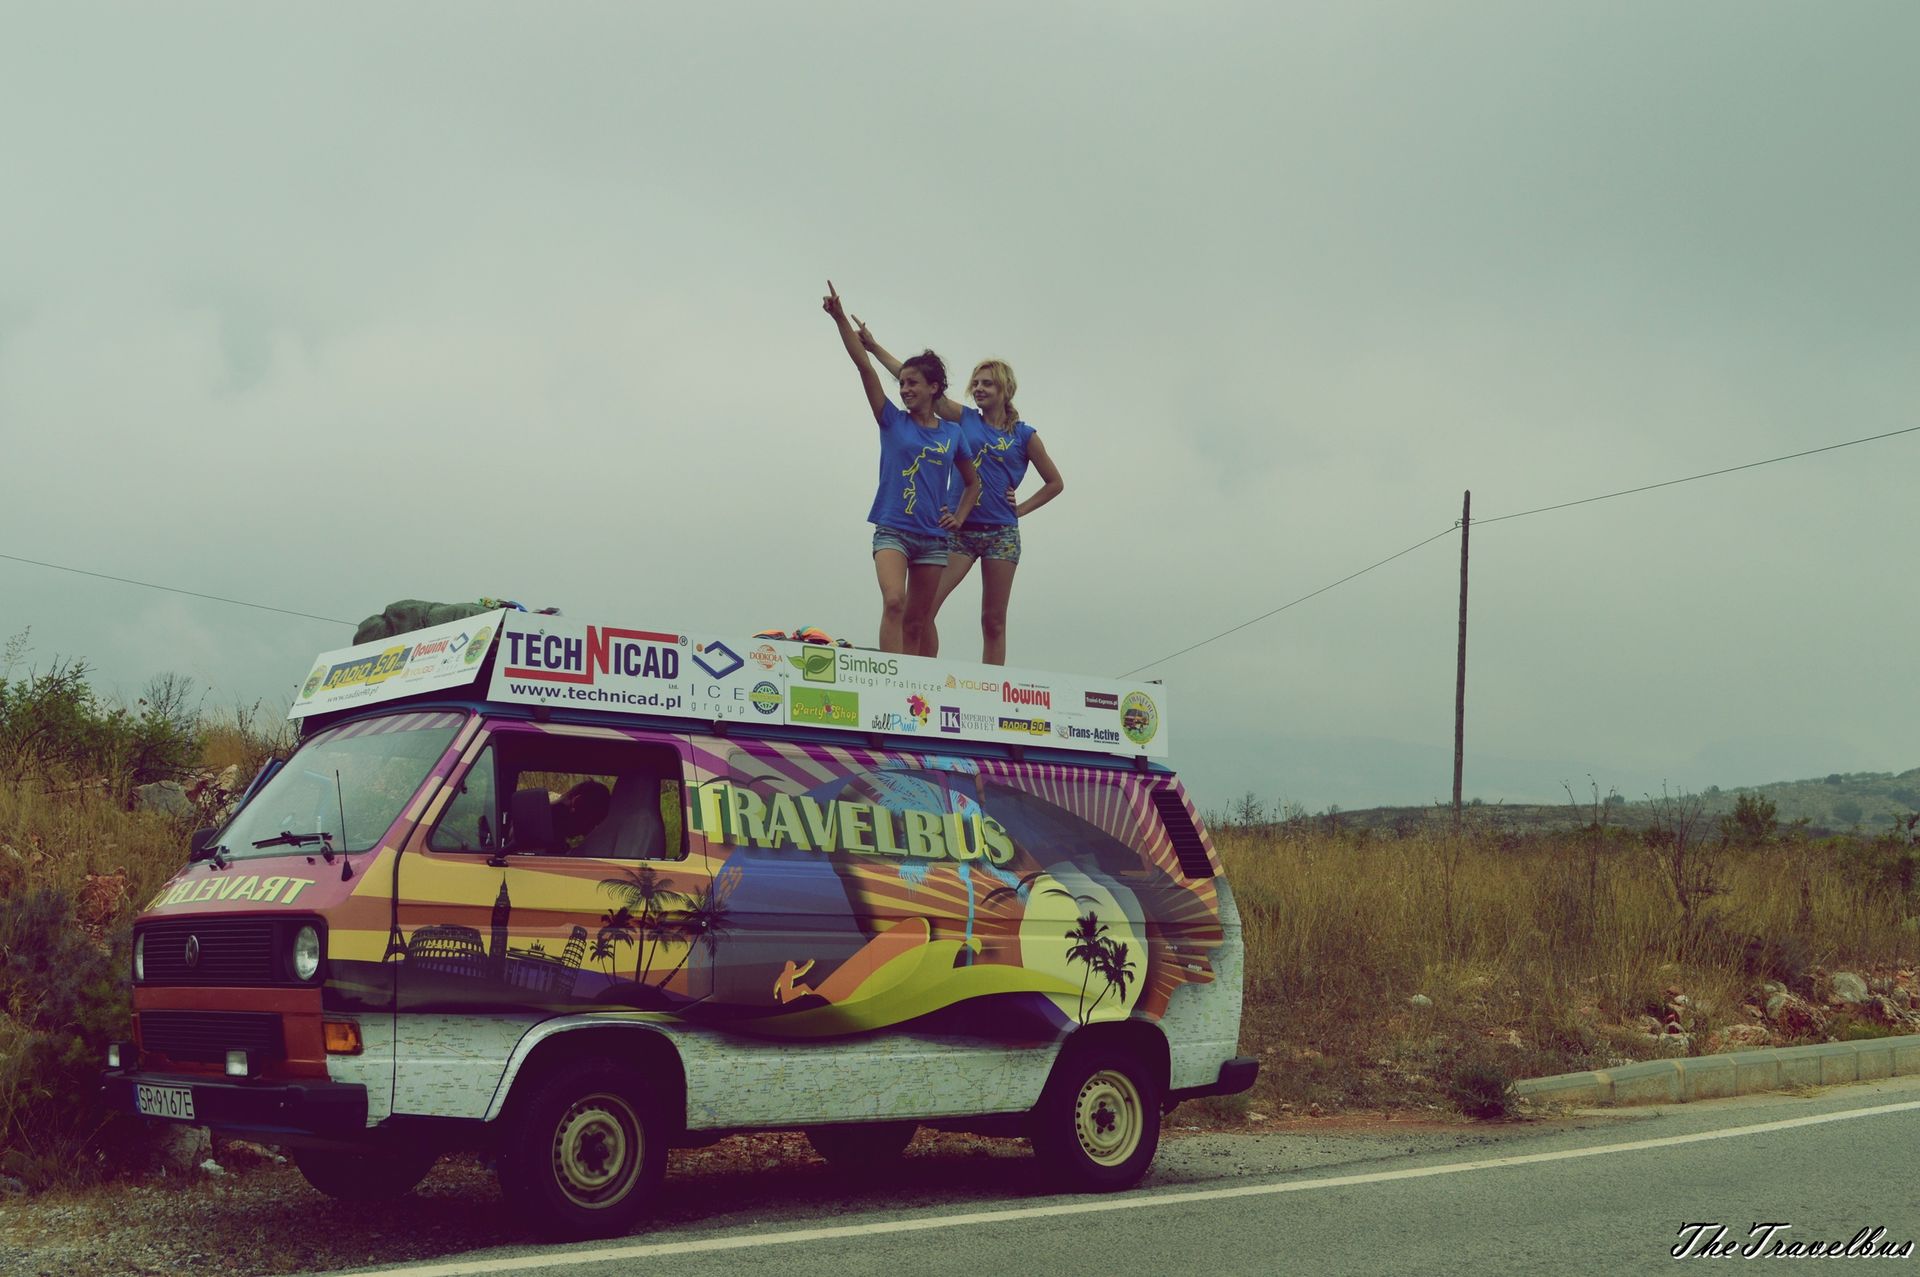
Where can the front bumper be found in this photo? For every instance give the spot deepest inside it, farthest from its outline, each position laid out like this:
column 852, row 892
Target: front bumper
column 281, row 1112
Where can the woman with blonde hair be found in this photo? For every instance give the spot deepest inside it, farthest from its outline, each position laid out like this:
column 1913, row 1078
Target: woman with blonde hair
column 1001, row 446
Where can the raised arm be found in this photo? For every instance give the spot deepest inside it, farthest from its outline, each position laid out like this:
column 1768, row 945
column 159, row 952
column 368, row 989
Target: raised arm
column 968, row 499
column 945, row 408
column 869, row 379
column 1054, row 485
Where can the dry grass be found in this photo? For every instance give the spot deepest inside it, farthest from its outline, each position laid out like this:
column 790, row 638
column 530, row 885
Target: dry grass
column 1538, row 955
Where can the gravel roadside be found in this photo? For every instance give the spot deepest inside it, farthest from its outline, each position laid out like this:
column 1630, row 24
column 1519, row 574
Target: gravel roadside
column 266, row 1219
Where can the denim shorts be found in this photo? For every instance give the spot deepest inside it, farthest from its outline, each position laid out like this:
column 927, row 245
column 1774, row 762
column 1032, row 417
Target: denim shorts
column 996, row 541
column 920, row 549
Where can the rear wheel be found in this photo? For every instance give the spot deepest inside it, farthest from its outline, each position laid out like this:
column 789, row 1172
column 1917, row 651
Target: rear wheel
column 364, row 1177
column 584, row 1151
column 1097, row 1125
column 862, row 1148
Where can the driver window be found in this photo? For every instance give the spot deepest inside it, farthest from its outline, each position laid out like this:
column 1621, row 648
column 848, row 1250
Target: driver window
column 472, row 819
column 614, row 800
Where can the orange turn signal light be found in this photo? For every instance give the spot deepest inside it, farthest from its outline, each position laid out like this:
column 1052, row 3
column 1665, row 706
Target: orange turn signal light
column 342, row 1036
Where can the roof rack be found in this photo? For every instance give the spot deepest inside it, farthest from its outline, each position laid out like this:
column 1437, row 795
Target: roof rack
column 562, row 664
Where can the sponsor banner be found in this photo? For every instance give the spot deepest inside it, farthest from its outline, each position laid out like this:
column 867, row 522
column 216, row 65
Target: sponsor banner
column 429, row 660
column 634, row 669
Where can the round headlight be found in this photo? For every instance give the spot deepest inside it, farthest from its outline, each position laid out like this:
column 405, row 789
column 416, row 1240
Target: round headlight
column 140, row 956
column 306, row 953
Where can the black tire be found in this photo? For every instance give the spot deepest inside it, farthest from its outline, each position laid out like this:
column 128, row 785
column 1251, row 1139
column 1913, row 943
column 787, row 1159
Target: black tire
column 583, row 1152
column 365, row 1177
column 862, row 1149
column 1097, row 1125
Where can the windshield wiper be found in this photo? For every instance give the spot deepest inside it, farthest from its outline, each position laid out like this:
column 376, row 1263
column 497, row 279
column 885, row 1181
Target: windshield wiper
column 287, row 838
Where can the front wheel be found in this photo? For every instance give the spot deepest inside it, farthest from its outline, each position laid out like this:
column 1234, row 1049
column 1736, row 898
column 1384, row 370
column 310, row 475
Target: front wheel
column 1097, row 1125
column 364, row 1177
column 584, row 1152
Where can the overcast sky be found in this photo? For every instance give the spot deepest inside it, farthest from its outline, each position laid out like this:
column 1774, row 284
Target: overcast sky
column 324, row 306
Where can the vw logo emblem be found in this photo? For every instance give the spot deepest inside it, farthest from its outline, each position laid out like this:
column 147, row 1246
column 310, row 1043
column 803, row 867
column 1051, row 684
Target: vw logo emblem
column 193, row 952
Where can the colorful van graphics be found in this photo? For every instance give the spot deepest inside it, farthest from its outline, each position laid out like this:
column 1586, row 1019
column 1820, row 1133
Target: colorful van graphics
column 845, row 932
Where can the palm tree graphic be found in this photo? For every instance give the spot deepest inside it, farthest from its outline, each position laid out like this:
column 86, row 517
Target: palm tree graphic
column 642, row 888
column 1117, row 968
column 1086, row 944
column 703, row 920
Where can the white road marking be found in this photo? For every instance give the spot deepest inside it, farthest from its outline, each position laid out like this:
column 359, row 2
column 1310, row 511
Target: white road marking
column 1137, row 1201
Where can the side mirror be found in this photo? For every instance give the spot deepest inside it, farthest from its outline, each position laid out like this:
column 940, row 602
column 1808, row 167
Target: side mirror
column 200, row 845
column 530, row 815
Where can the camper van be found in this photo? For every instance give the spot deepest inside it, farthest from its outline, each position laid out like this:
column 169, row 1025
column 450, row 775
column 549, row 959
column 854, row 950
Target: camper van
column 576, row 894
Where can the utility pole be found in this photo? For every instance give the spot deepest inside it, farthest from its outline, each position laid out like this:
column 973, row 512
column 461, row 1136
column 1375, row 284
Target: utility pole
column 1460, row 674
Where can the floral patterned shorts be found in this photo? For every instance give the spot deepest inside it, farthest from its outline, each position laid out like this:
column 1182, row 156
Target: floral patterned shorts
column 1000, row 541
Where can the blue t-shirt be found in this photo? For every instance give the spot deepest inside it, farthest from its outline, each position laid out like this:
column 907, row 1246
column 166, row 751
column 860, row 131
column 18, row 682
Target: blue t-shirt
column 1001, row 458
column 916, row 469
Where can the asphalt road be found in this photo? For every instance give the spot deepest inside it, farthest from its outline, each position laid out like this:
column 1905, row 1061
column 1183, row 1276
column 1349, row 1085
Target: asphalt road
column 1614, row 1192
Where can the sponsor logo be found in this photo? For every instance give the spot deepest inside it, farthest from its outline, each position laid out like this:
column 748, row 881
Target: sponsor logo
column 1139, row 719
column 313, row 683
column 816, row 665
column 717, row 659
column 971, row 685
column 765, row 697
column 1026, row 726
column 904, row 723
column 827, row 664
column 830, row 709
column 764, row 656
column 1103, row 700
column 368, row 670
column 920, row 710
column 949, row 718
column 1015, row 694
column 478, row 647
column 1096, row 735
column 554, row 658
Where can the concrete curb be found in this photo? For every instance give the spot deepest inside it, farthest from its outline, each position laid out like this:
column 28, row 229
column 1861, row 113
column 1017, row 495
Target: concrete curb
column 1705, row 1077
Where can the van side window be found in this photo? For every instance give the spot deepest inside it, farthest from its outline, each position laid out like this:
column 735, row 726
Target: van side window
column 472, row 819
column 609, row 799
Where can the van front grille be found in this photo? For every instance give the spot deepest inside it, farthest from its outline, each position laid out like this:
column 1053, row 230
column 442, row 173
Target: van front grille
column 209, row 1035
column 226, row 951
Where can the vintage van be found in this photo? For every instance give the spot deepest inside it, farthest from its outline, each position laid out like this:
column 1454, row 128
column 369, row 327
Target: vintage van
column 576, row 894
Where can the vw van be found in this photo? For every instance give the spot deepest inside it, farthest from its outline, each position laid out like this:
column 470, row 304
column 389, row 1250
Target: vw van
column 575, row 894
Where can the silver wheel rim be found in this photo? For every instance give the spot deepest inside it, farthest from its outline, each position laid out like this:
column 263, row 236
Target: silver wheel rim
column 1107, row 1117
column 597, row 1147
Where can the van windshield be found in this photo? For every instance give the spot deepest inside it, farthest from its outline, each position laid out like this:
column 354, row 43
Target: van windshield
column 368, row 769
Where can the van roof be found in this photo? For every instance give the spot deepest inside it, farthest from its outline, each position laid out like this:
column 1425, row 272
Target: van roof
column 627, row 672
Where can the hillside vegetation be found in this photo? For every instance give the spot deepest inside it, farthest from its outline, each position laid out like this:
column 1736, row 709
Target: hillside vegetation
column 1864, row 803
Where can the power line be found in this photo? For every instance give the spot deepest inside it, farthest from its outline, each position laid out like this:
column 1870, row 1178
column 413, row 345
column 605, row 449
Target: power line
column 1649, row 487
column 1284, row 606
column 172, row 589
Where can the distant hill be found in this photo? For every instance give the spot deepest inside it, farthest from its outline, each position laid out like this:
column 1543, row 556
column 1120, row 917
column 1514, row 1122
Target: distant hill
column 1835, row 804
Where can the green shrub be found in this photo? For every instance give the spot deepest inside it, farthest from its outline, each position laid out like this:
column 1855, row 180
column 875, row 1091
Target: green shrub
column 53, row 725
column 1481, row 1088
column 62, row 999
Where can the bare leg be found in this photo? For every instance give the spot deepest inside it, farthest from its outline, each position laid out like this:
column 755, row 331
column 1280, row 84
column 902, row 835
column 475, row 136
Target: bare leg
column 958, row 565
column 996, row 587
column 891, row 567
column 923, row 582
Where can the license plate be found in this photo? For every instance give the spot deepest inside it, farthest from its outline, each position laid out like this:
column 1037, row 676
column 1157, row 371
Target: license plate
column 165, row 1101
